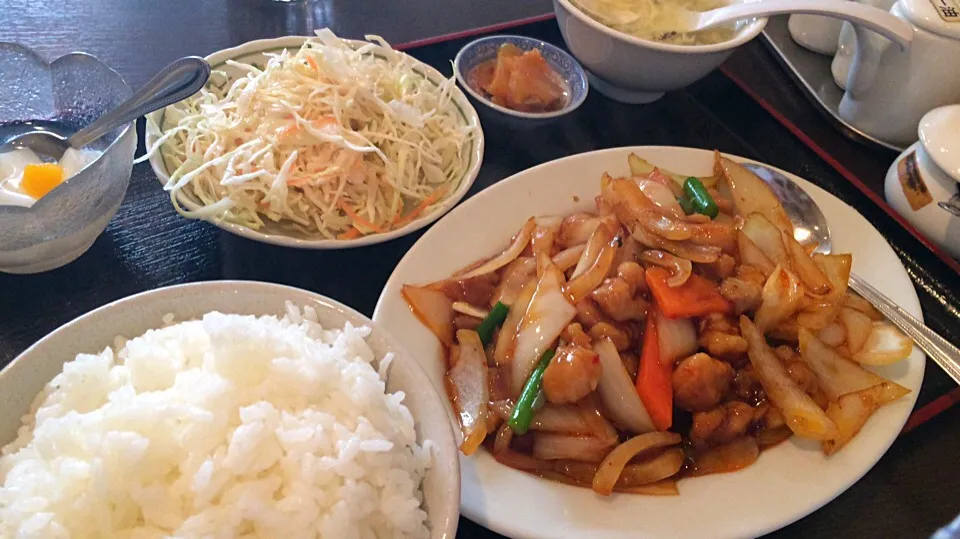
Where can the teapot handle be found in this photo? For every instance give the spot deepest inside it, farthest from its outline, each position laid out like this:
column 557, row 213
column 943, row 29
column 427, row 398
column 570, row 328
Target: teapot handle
column 868, row 51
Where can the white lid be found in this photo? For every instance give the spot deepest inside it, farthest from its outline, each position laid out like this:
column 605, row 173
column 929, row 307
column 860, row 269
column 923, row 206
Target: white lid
column 923, row 14
column 940, row 135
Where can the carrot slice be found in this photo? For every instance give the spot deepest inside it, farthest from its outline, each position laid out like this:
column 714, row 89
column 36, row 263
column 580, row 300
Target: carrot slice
column 357, row 220
column 696, row 297
column 654, row 381
column 351, row 234
column 313, row 64
column 418, row 209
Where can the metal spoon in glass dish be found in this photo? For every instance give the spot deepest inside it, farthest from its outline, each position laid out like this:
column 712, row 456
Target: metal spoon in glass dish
column 810, row 228
column 177, row 81
column 866, row 16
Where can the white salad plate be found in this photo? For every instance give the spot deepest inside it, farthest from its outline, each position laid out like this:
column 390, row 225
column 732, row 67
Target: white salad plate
column 256, row 53
column 788, row 481
column 29, row 373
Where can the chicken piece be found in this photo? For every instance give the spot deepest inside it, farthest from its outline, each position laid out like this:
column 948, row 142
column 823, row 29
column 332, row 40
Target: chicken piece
column 475, row 291
column 615, row 298
column 588, row 314
column 574, row 334
column 634, row 275
column 745, row 295
column 721, row 338
column 721, row 424
column 572, row 374
column 620, row 336
column 700, row 382
column 722, row 268
column 747, row 386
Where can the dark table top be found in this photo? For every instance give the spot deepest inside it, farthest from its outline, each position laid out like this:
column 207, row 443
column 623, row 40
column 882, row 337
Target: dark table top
column 147, row 245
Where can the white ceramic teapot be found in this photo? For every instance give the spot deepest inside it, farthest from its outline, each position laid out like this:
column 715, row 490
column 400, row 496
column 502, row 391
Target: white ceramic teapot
column 923, row 184
column 890, row 86
column 846, row 44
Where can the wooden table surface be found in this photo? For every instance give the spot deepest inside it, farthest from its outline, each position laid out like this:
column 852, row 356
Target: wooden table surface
column 909, row 493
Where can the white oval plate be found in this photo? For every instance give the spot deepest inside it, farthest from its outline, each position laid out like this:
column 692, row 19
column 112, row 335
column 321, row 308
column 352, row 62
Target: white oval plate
column 132, row 316
column 785, row 484
column 255, row 52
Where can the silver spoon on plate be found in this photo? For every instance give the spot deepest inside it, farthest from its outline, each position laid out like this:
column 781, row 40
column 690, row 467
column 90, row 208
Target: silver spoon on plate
column 177, row 81
column 810, row 228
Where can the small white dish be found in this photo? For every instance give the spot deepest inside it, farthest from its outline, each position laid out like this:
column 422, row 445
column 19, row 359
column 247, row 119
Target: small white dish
column 255, row 52
column 926, row 176
column 27, row 375
column 787, row 482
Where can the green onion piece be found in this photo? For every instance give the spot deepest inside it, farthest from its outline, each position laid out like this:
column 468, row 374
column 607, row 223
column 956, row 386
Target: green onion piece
column 699, row 197
column 685, row 205
column 522, row 413
column 493, row 320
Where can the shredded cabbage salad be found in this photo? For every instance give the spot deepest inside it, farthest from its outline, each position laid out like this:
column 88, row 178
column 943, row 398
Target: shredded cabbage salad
column 337, row 142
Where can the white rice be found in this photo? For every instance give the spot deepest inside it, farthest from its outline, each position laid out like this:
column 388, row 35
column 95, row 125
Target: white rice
column 226, row 427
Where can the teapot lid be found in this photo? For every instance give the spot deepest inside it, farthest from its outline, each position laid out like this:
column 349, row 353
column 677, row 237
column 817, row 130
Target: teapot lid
column 940, row 135
column 940, row 17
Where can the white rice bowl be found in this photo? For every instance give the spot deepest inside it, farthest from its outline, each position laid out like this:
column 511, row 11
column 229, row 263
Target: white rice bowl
column 227, row 426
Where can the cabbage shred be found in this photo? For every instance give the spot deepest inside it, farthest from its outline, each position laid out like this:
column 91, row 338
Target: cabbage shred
column 335, row 141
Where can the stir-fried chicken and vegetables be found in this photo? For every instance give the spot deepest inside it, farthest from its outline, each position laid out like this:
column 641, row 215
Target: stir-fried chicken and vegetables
column 676, row 330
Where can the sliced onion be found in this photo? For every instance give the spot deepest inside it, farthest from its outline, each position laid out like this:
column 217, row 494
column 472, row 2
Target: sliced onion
column 582, row 285
column 884, row 346
column 836, row 375
column 522, row 461
column 766, row 237
column 566, row 419
column 507, row 339
column 701, row 254
column 677, row 337
column 468, row 387
column 658, row 468
column 810, row 274
column 576, row 229
column 858, row 328
column 501, row 443
column 433, row 308
column 609, row 471
column 463, row 307
column 548, row 446
column 547, row 315
column 782, row 294
column 680, row 268
column 513, row 251
column 729, row 457
column 804, row 417
column 661, row 196
column 541, row 241
column 569, row 257
column 751, row 255
column 834, row 334
column 837, row 270
column 667, row 487
column 515, row 275
column 618, row 393
column 602, row 237
column 751, row 194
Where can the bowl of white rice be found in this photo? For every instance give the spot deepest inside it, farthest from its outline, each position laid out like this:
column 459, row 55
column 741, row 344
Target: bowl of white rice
column 222, row 410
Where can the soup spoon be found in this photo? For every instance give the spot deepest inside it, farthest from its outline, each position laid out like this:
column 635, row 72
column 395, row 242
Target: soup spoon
column 177, row 81
column 811, row 229
column 866, row 16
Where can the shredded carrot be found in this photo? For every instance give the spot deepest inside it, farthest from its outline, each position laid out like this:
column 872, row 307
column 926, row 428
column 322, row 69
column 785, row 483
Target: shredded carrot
column 418, row 209
column 313, row 64
column 351, row 234
column 357, row 220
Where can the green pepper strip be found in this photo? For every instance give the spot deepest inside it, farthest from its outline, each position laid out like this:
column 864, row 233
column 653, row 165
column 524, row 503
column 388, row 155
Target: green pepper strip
column 522, row 413
column 494, row 319
column 699, row 197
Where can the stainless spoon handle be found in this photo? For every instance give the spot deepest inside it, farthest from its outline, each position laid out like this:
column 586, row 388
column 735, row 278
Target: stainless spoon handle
column 937, row 348
column 176, row 82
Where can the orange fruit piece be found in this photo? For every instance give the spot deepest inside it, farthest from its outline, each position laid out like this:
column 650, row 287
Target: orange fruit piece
column 38, row 180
